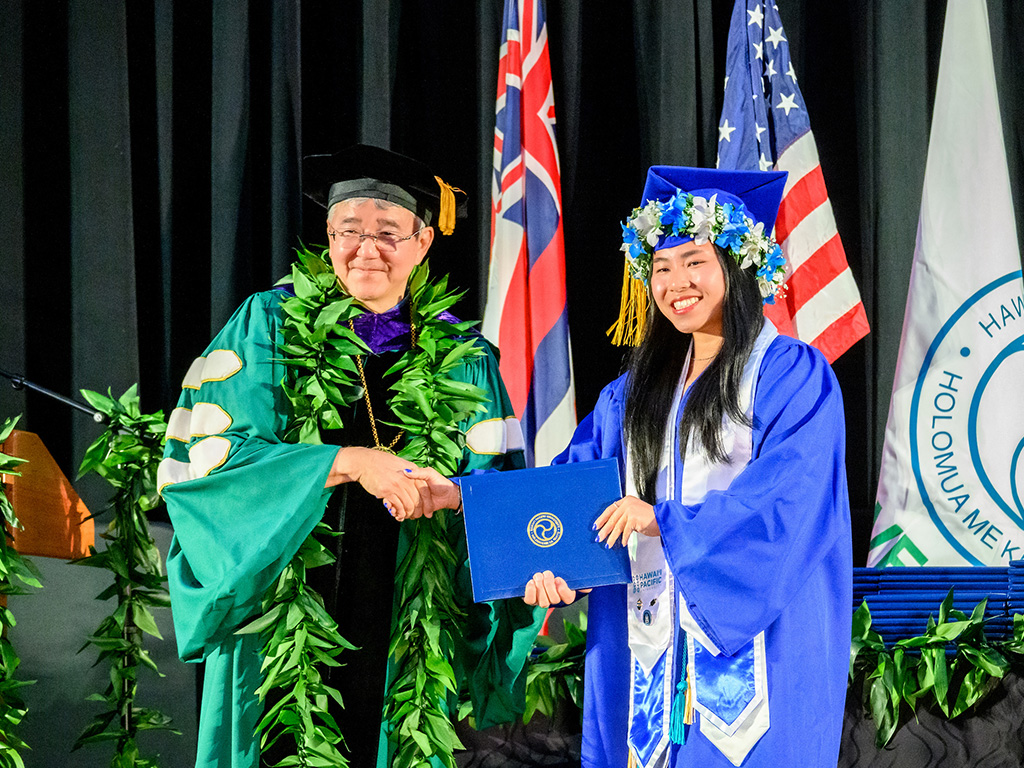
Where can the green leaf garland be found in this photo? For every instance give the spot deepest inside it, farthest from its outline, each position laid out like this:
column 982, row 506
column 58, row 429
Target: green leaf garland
column 126, row 455
column 429, row 405
column 16, row 573
column 300, row 636
column 319, row 348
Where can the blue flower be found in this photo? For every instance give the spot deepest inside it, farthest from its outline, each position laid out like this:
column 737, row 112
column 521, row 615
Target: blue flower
column 674, row 218
column 733, row 234
column 628, row 233
column 776, row 258
column 631, row 242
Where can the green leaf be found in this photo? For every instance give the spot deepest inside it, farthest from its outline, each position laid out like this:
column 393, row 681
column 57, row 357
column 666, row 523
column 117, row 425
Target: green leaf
column 941, row 675
column 987, row 659
column 861, row 621
column 951, row 630
column 144, row 620
column 8, row 427
column 945, row 607
column 422, row 742
column 100, row 402
column 883, row 712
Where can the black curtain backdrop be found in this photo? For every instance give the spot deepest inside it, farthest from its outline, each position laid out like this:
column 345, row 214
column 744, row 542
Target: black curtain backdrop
column 150, row 154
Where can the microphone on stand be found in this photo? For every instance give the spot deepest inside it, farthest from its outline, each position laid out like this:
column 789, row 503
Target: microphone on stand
column 20, row 382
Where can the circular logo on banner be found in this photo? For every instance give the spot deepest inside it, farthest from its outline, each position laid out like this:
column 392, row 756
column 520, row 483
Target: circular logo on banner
column 967, row 425
column 544, row 529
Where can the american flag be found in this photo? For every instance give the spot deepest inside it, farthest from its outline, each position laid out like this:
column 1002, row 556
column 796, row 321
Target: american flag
column 764, row 126
column 526, row 311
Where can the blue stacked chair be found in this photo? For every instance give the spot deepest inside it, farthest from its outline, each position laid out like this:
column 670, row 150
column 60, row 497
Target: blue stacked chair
column 902, row 599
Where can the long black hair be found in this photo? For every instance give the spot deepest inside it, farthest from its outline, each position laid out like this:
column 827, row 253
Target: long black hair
column 656, row 365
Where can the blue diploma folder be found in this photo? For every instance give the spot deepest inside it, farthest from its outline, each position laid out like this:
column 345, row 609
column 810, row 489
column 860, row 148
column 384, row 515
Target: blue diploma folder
column 529, row 520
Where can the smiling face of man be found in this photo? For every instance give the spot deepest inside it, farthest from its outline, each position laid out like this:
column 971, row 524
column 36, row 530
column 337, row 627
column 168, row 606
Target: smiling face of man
column 375, row 270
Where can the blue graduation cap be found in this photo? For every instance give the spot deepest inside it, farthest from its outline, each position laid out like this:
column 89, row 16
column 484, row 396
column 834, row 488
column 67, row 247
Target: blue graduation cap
column 759, row 192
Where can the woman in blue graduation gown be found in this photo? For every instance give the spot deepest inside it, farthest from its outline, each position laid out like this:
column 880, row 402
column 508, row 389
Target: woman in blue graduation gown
column 732, row 643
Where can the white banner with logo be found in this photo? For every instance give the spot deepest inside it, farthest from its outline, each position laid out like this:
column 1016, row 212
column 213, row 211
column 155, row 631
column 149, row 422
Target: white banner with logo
column 952, row 475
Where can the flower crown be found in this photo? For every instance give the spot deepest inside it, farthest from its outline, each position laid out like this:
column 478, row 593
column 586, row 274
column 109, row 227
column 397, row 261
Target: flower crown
column 727, row 225
column 703, row 219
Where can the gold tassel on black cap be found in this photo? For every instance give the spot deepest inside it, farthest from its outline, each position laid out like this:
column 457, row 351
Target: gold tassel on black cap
column 629, row 328
column 446, row 216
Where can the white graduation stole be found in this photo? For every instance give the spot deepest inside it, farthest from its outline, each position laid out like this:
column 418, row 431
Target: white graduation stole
column 729, row 693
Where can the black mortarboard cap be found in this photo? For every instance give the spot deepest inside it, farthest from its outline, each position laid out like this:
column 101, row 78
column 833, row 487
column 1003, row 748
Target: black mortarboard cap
column 367, row 171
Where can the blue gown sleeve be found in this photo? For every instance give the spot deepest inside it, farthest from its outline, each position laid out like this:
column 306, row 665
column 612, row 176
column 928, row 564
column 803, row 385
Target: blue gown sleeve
column 599, row 435
column 741, row 554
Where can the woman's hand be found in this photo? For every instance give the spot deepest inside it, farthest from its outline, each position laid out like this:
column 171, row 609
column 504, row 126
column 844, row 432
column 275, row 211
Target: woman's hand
column 545, row 589
column 622, row 518
column 436, row 490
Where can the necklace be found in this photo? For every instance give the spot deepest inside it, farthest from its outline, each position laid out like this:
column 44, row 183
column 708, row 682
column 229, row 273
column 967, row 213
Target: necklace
column 709, row 357
column 390, row 448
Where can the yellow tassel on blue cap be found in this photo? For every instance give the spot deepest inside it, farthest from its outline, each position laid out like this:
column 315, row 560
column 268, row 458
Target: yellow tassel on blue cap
column 629, row 328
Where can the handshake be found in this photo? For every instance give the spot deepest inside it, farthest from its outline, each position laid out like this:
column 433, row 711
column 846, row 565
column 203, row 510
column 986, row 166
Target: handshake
column 407, row 491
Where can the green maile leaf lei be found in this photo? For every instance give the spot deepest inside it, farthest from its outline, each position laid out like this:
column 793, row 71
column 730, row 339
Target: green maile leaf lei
column 126, row 455
column 319, row 348
column 16, row 572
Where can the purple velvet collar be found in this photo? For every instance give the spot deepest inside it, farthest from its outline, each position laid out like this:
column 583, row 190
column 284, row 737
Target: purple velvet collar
column 389, row 331
column 384, row 332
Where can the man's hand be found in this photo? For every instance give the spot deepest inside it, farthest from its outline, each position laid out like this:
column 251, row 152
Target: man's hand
column 382, row 475
column 622, row 518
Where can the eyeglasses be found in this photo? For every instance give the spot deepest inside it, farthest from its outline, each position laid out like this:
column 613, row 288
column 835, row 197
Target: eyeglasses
column 384, row 241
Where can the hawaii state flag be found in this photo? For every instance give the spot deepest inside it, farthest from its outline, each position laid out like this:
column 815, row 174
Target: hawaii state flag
column 526, row 312
column 764, row 126
column 952, row 475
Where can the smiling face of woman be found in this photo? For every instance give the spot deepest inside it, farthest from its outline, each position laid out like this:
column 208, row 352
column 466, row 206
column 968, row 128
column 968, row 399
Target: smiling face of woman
column 688, row 286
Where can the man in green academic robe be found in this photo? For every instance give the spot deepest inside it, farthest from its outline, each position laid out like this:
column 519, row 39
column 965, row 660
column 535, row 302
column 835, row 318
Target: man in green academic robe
column 242, row 498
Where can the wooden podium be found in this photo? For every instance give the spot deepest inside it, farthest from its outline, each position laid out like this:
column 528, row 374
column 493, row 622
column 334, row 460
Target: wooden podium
column 55, row 521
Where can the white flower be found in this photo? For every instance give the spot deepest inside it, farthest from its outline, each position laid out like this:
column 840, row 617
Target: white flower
column 647, row 223
column 702, row 214
column 754, row 245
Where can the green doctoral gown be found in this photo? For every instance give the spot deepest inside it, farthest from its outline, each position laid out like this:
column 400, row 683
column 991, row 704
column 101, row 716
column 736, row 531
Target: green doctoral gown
column 242, row 500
